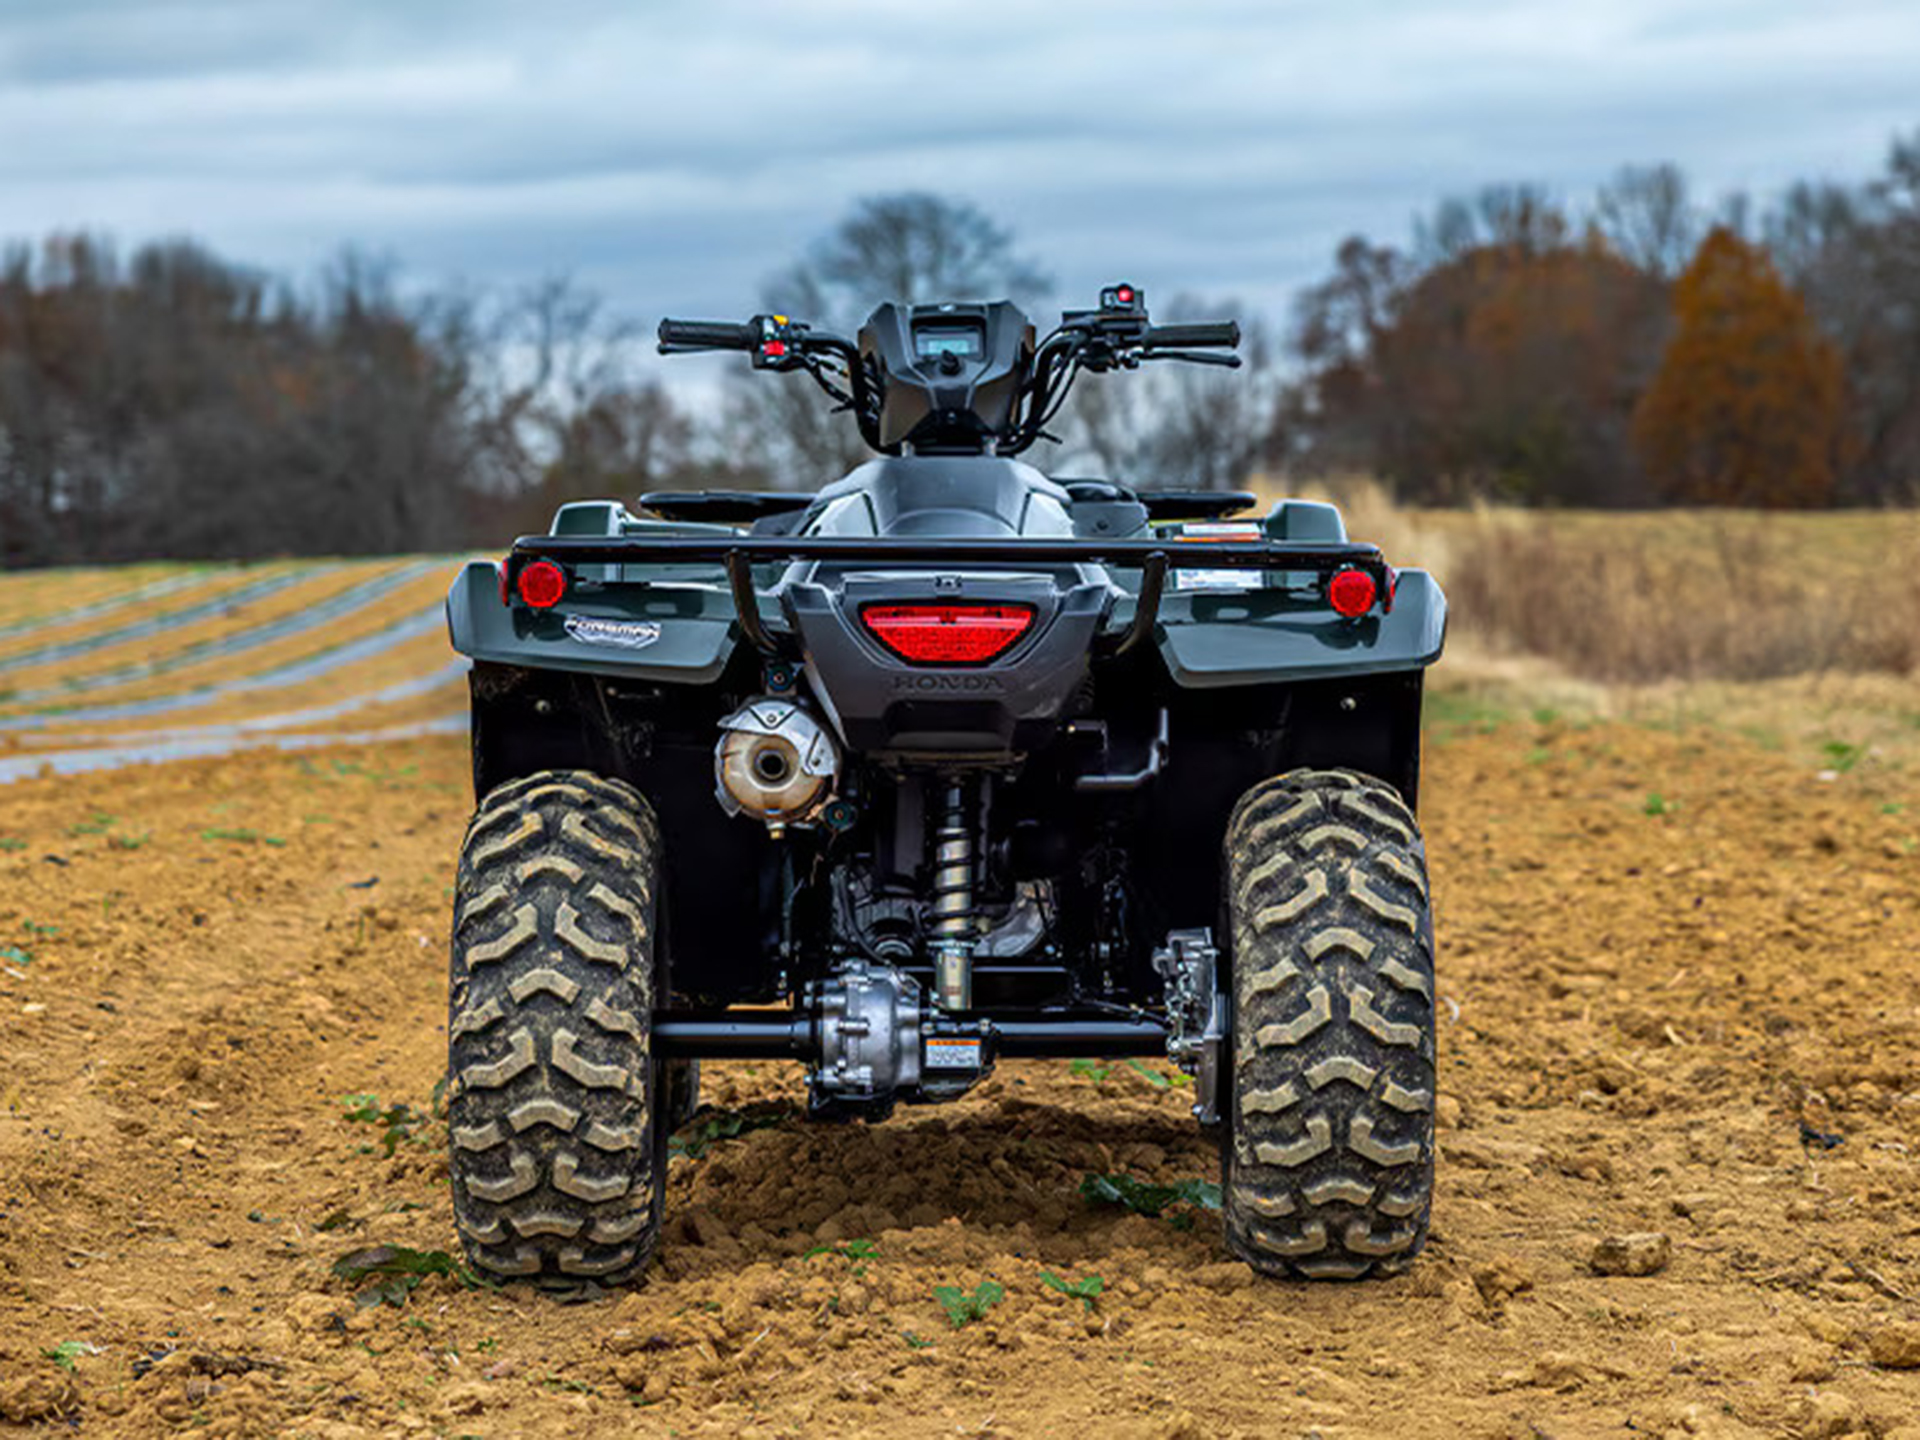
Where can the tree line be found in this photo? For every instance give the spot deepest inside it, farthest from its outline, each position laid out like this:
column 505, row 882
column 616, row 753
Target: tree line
column 1643, row 349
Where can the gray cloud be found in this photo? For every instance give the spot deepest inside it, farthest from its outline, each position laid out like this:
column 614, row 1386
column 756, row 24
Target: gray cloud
column 673, row 153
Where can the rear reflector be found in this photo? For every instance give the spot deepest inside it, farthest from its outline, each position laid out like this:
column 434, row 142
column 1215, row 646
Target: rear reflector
column 947, row 634
column 1351, row 593
column 542, row 584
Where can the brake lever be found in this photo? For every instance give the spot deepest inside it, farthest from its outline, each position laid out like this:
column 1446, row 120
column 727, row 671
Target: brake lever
column 1197, row 357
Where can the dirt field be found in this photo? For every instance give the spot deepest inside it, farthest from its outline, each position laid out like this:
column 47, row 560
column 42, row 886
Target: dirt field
column 1679, row 973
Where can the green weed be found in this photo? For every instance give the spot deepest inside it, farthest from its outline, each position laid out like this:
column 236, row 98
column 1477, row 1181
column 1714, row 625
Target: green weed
column 1147, row 1199
column 397, row 1272
column 7, row 842
column 851, row 1250
column 68, row 1351
column 1841, row 756
column 128, row 842
column 696, row 1139
column 1658, row 804
column 242, row 836
column 16, row 955
column 963, row 1308
column 399, row 1122
column 1086, row 1289
column 1154, row 1077
column 98, row 825
column 1094, row 1070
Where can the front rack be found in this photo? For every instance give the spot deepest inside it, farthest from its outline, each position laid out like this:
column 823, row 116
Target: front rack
column 1153, row 558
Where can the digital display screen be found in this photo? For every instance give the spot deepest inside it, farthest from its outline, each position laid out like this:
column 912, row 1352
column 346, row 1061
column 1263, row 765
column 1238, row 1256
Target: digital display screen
column 930, row 342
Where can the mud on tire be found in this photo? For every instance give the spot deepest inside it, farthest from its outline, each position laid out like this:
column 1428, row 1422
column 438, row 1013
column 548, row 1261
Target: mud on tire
column 556, row 1165
column 1328, row 1153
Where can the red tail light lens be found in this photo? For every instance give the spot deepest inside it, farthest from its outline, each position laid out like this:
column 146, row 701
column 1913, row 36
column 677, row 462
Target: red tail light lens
column 1352, row 593
column 948, row 634
column 542, row 584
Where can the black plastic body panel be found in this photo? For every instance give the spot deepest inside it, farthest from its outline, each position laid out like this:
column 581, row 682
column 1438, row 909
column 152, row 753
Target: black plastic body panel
column 890, row 709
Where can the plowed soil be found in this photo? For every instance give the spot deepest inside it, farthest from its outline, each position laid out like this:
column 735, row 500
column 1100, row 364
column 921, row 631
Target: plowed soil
column 1679, row 981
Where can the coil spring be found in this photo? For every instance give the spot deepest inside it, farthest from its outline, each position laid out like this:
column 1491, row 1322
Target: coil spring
column 952, row 885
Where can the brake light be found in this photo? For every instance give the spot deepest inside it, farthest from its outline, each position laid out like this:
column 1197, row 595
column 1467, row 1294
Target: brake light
column 1351, row 593
column 948, row 634
column 542, row 584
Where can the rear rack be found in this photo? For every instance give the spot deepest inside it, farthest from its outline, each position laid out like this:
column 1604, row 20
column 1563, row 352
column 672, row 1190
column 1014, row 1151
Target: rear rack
column 1153, row 558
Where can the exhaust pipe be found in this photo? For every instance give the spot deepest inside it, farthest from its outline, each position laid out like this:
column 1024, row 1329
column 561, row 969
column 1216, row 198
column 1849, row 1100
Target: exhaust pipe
column 774, row 762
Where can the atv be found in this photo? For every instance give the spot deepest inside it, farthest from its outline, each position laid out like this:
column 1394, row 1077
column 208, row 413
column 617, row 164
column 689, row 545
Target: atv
column 949, row 763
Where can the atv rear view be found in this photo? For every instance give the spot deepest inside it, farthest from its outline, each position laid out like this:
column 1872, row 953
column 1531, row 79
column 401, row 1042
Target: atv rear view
column 948, row 763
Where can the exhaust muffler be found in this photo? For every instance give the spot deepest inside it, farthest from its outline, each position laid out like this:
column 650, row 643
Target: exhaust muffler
column 775, row 762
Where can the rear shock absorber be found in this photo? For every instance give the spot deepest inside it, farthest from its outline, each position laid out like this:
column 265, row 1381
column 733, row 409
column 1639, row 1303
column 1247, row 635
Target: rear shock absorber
column 951, row 932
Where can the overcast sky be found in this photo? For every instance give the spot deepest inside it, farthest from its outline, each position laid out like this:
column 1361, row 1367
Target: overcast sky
column 672, row 154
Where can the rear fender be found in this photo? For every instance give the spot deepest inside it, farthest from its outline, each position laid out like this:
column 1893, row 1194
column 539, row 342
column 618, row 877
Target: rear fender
column 679, row 627
column 1218, row 639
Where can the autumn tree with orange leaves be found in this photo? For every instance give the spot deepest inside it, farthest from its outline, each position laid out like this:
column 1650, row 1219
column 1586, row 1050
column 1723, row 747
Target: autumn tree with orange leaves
column 1747, row 406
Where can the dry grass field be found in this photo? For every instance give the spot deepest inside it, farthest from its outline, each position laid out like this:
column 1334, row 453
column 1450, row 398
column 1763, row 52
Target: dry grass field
column 1679, row 933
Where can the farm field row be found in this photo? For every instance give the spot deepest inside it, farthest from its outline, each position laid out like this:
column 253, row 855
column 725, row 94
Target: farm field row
column 284, row 654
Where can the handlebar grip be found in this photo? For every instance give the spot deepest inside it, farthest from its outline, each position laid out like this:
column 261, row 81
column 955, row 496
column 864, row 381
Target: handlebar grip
column 709, row 334
column 1212, row 332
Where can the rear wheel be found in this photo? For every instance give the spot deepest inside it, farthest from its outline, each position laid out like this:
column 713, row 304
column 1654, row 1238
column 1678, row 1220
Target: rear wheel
column 1328, row 1156
column 556, row 1165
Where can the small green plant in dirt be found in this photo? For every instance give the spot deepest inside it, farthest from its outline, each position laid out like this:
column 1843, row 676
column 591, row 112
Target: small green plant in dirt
column 128, row 842
column 68, row 1351
column 964, row 1308
column 1094, row 1070
column 241, row 836
column 398, row 1122
column 1086, row 1289
column 99, row 824
column 1658, row 804
column 7, row 842
column 1143, row 1198
column 851, row 1250
column 1842, row 757
column 16, row 955
column 703, row 1134
column 1156, row 1078
column 397, row 1272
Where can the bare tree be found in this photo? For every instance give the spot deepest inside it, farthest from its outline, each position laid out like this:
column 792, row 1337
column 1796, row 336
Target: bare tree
column 1647, row 216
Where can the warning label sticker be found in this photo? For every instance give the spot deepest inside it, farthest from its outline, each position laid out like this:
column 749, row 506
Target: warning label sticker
column 953, row 1054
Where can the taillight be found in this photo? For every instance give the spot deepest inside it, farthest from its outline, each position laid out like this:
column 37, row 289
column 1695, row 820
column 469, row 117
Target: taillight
column 542, row 584
column 1351, row 593
column 947, row 634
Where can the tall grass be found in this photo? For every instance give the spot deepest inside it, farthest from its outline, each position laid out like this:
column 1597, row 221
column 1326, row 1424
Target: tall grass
column 1688, row 595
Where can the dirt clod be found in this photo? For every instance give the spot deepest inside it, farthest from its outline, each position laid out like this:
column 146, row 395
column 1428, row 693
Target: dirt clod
column 1643, row 1252
column 38, row 1397
column 1896, row 1346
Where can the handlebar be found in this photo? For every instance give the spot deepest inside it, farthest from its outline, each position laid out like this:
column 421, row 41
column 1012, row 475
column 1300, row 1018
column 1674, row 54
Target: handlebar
column 1224, row 333
column 709, row 334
